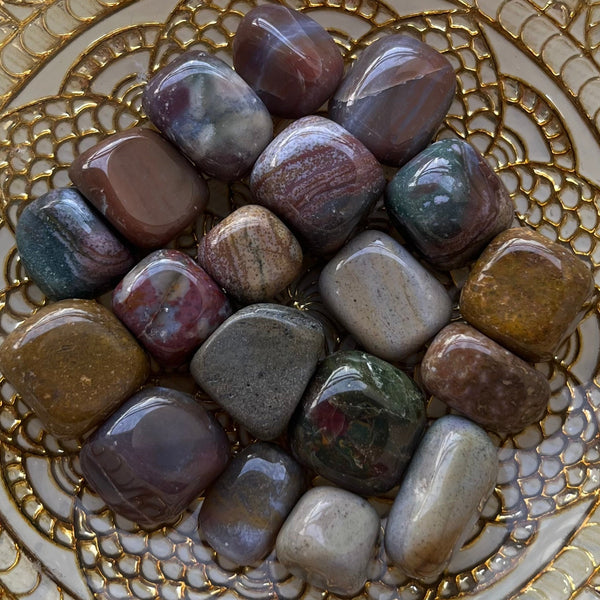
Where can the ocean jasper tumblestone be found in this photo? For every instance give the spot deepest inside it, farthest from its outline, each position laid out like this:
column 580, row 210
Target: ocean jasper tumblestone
column 206, row 109
column 449, row 203
column 67, row 249
column 289, row 60
column 246, row 506
column 526, row 293
column 319, row 179
column 170, row 304
column 154, row 455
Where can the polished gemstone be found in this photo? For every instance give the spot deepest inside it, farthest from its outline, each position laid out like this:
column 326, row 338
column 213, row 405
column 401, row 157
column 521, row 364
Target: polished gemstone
column 257, row 364
column 328, row 540
column 395, row 97
column 73, row 363
column 67, row 249
column 170, row 304
column 383, row 296
column 527, row 293
column 483, row 380
column 210, row 113
column 319, row 179
column 142, row 185
column 449, row 479
column 247, row 505
column 251, row 254
column 289, row 60
column 359, row 422
column 154, row 455
column 449, row 203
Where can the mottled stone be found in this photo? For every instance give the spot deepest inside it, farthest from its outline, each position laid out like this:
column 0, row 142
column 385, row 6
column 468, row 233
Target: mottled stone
column 328, row 540
column 407, row 81
column 319, row 179
column 247, row 505
column 73, row 363
column 383, row 296
column 154, row 455
column 142, row 185
column 289, row 60
column 67, row 249
column 359, row 422
column 251, row 254
column 257, row 364
column 526, row 292
column 449, row 203
column 206, row 109
column 170, row 304
column 449, row 479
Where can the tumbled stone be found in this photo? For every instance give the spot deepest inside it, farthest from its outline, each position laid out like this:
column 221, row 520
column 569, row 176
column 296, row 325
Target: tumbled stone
column 170, row 304
column 319, row 179
column 289, row 60
column 407, row 81
column 449, row 203
column 328, row 540
column 359, row 422
column 247, row 505
column 154, row 455
column 257, row 364
column 483, row 380
column 66, row 248
column 251, row 254
column 142, row 185
column 526, row 293
column 206, row 109
column 383, row 296
column 73, row 363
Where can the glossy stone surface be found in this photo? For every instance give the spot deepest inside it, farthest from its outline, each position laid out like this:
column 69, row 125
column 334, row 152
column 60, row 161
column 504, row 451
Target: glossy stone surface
column 526, row 292
column 210, row 113
column 73, row 363
column 383, row 296
column 319, row 179
column 444, row 490
column 484, row 381
column 289, row 60
column 251, row 254
column 170, row 304
column 449, row 203
column 247, row 505
column 404, row 79
column 257, row 364
column 359, row 422
column 142, row 185
column 67, row 249
column 153, row 456
column 328, row 540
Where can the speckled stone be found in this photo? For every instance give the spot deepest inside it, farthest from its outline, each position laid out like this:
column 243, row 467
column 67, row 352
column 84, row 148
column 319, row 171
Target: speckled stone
column 73, row 363
column 247, row 505
column 289, row 60
column 319, row 179
column 328, row 540
column 170, row 304
column 257, row 364
column 449, row 203
column 67, row 249
column 405, row 80
column 526, row 293
column 483, row 380
column 451, row 476
column 251, row 254
column 206, row 109
column 383, row 296
column 153, row 456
